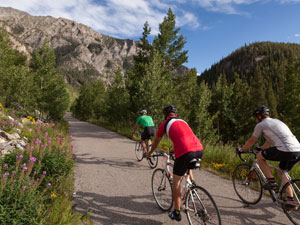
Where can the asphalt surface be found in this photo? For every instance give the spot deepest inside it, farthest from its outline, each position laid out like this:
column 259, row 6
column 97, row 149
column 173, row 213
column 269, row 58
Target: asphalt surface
column 116, row 189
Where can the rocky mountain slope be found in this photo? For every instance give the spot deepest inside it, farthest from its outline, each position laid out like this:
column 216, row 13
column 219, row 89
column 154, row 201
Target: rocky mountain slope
column 82, row 53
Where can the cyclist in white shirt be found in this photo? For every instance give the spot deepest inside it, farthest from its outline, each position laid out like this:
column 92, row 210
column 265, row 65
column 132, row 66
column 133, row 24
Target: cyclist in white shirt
column 281, row 145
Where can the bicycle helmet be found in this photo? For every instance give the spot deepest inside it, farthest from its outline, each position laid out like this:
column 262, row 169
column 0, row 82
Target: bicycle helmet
column 143, row 111
column 261, row 110
column 169, row 109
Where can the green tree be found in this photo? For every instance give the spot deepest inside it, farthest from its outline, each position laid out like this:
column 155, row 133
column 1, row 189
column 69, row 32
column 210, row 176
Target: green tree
column 116, row 101
column 170, row 44
column 50, row 88
column 221, row 109
column 292, row 99
column 200, row 119
column 15, row 80
column 89, row 104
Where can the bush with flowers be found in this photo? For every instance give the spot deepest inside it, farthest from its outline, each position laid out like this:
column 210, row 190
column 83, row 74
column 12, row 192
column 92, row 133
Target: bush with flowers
column 36, row 184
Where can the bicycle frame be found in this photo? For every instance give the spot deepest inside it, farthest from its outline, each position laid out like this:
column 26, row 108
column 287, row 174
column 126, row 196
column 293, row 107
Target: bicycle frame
column 285, row 176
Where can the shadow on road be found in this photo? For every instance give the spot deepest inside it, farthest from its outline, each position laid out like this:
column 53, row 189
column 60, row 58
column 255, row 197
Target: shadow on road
column 118, row 209
column 113, row 162
column 249, row 214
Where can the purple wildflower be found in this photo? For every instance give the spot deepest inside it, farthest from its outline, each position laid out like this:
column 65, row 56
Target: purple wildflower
column 6, row 174
column 32, row 159
column 24, row 187
column 44, row 172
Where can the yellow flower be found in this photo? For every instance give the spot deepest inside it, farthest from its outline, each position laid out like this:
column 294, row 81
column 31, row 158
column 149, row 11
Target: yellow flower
column 218, row 165
column 1, row 106
column 53, row 195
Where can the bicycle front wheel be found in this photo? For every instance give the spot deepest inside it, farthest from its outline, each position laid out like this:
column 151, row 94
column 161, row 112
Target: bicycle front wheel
column 153, row 160
column 162, row 189
column 201, row 208
column 139, row 152
column 291, row 207
column 247, row 184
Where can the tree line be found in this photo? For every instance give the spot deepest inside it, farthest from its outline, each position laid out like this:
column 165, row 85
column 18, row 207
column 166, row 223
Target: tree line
column 218, row 105
column 32, row 86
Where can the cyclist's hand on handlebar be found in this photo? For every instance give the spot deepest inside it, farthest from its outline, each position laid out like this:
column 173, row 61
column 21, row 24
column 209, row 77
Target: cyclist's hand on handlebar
column 148, row 155
column 238, row 150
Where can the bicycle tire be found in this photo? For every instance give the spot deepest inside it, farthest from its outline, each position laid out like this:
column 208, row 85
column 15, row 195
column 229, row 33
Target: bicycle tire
column 247, row 184
column 139, row 152
column 292, row 211
column 153, row 160
column 201, row 208
column 162, row 189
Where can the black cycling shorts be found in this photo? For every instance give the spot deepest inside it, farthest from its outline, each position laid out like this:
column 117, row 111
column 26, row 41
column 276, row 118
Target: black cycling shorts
column 148, row 133
column 181, row 163
column 287, row 159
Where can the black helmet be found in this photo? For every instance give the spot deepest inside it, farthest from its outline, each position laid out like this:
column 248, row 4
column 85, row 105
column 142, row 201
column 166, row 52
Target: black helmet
column 143, row 111
column 261, row 110
column 169, row 108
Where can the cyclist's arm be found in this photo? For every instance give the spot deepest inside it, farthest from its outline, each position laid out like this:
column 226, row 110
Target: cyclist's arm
column 135, row 127
column 267, row 144
column 251, row 141
column 154, row 145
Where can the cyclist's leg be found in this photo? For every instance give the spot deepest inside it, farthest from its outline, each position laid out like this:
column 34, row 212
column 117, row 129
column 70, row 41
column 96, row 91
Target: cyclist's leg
column 286, row 165
column 197, row 154
column 263, row 165
column 177, row 191
column 179, row 169
column 144, row 137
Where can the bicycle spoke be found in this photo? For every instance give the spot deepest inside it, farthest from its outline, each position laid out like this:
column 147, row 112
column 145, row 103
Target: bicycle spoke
column 161, row 189
column 247, row 184
column 291, row 207
column 201, row 208
column 139, row 151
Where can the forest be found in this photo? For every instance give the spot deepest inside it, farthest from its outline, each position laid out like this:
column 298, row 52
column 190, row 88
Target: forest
column 218, row 104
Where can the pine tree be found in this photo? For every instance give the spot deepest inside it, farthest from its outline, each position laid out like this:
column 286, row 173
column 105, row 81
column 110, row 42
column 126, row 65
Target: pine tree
column 170, row 44
column 52, row 97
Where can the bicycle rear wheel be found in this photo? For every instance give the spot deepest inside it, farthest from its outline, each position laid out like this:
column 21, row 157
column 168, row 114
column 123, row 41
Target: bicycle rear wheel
column 201, row 208
column 139, row 152
column 291, row 208
column 162, row 189
column 247, row 184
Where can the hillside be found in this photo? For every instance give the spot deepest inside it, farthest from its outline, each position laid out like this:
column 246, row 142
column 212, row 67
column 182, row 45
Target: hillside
column 268, row 58
column 82, row 53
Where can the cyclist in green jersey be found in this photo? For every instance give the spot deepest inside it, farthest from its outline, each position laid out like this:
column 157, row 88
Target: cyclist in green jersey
column 149, row 129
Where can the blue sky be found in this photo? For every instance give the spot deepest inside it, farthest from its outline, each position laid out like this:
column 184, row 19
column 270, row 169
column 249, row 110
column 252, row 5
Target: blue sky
column 213, row 28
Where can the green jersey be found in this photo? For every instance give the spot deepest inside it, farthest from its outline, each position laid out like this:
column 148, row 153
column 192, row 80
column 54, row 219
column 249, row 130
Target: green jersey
column 145, row 121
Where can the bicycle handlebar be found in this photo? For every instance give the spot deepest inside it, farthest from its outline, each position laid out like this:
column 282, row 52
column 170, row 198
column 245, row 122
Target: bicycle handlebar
column 160, row 153
column 252, row 151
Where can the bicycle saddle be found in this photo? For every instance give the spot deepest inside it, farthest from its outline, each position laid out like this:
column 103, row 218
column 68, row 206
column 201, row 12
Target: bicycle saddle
column 194, row 163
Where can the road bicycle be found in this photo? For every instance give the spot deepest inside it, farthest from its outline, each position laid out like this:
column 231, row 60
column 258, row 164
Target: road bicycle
column 248, row 180
column 198, row 204
column 139, row 151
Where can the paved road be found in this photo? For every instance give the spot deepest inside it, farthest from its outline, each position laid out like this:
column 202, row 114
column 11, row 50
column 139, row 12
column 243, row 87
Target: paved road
column 116, row 189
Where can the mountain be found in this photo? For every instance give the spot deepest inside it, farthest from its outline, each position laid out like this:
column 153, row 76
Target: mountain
column 82, row 53
column 269, row 59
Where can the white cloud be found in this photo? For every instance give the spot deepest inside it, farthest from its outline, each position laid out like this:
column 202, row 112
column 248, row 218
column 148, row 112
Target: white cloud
column 119, row 18
column 224, row 6
column 297, row 35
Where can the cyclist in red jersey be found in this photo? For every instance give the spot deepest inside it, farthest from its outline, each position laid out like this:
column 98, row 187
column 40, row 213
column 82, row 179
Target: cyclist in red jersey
column 186, row 147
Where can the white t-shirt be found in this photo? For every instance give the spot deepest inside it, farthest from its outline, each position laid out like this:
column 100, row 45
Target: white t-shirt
column 276, row 132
